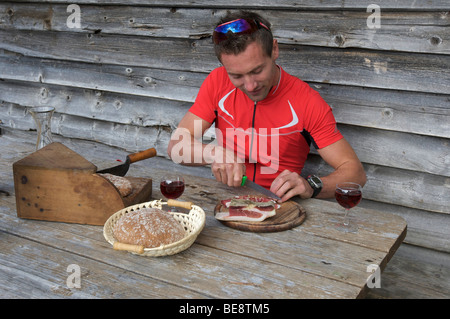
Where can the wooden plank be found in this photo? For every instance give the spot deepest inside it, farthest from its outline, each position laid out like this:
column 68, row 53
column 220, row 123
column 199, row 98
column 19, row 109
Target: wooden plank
column 375, row 229
column 352, row 4
column 24, row 273
column 390, row 70
column 113, row 49
column 374, row 69
column 93, row 104
column 128, row 137
column 419, row 113
column 131, row 80
column 401, row 31
column 302, row 252
column 404, row 111
column 425, row 229
column 413, row 273
column 399, row 150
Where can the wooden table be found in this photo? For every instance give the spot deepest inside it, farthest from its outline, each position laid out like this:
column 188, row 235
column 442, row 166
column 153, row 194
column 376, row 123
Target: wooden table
column 313, row 260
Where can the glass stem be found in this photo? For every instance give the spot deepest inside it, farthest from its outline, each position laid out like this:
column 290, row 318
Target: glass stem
column 346, row 218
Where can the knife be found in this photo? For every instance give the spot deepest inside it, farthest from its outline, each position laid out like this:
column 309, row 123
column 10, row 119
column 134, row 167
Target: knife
column 122, row 169
column 258, row 188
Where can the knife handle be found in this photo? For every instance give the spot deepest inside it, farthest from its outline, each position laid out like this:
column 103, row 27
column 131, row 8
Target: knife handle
column 244, row 179
column 139, row 249
column 139, row 156
column 177, row 203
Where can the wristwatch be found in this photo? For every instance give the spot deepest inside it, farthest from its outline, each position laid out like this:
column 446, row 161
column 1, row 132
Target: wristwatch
column 316, row 184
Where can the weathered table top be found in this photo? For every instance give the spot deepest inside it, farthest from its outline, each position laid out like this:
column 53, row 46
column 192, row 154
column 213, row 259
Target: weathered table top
column 313, row 260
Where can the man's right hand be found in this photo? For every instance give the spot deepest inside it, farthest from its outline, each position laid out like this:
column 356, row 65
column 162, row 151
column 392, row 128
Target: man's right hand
column 185, row 147
column 227, row 168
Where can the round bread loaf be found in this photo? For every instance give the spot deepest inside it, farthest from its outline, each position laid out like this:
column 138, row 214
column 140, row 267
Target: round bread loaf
column 149, row 227
column 121, row 183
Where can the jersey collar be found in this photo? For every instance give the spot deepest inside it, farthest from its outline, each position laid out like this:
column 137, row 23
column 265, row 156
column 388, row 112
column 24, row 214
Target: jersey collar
column 274, row 89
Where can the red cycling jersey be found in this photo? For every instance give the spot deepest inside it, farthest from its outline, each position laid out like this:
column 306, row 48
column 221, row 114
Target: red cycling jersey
column 271, row 135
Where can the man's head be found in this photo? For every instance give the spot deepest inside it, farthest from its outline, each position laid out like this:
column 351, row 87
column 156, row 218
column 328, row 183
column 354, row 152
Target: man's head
column 245, row 46
column 233, row 42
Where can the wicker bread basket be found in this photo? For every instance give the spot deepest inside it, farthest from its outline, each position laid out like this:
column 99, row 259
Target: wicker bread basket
column 193, row 223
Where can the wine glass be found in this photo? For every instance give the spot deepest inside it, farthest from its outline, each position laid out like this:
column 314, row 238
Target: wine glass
column 172, row 187
column 348, row 195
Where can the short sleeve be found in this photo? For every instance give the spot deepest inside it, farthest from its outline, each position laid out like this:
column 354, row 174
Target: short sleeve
column 320, row 122
column 204, row 105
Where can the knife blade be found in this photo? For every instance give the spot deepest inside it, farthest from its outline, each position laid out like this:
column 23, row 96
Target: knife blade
column 122, row 169
column 258, row 188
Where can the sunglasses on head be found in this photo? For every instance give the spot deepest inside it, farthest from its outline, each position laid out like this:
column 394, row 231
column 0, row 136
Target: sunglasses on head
column 237, row 27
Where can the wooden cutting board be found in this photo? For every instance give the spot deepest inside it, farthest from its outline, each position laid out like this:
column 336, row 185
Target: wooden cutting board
column 288, row 216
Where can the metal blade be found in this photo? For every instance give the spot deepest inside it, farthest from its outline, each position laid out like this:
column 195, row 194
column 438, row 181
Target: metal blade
column 122, row 169
column 260, row 189
column 119, row 170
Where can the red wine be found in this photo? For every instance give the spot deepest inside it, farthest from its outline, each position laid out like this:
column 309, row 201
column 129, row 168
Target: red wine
column 348, row 198
column 172, row 189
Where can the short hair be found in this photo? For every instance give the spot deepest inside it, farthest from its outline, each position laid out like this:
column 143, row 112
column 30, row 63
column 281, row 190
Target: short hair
column 238, row 43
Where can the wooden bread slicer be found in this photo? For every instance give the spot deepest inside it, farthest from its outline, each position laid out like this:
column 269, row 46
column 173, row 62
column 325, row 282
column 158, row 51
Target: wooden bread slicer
column 57, row 184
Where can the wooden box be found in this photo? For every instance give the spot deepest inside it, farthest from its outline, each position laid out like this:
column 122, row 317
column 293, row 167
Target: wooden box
column 57, row 184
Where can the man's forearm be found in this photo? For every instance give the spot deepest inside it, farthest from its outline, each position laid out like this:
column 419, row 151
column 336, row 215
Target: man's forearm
column 347, row 172
column 186, row 150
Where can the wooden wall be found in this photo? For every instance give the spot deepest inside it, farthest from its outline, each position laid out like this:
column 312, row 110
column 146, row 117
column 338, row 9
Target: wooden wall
column 130, row 72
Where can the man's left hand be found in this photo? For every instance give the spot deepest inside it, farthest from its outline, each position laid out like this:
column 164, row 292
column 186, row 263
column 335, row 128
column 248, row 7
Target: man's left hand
column 289, row 184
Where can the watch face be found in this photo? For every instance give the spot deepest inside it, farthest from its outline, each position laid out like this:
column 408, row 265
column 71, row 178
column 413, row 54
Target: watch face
column 316, row 181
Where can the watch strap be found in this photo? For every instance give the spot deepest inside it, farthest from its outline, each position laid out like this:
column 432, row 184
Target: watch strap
column 316, row 192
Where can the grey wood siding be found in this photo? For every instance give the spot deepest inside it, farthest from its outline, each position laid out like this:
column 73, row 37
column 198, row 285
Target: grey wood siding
column 130, row 72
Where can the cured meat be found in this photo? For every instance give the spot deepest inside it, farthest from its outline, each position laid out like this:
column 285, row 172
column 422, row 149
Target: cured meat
column 247, row 208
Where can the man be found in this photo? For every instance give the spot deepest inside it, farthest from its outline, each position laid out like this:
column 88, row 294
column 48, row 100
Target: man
column 265, row 119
